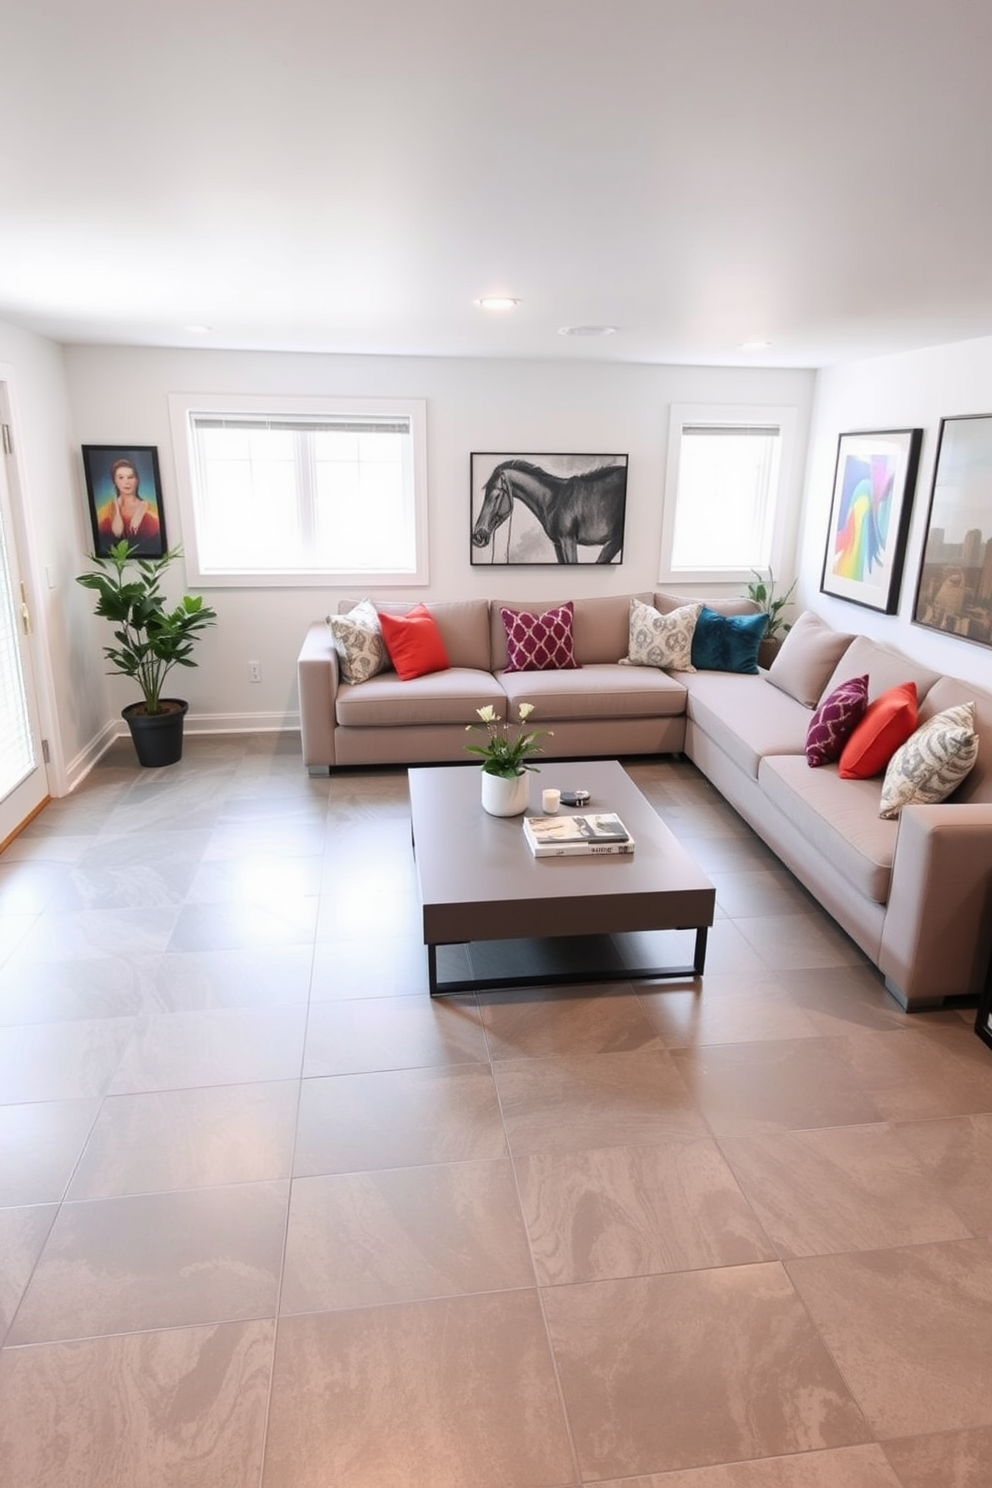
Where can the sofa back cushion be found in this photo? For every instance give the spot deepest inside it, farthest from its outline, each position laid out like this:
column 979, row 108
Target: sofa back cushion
column 808, row 655
column 885, row 667
column 948, row 692
column 665, row 603
column 463, row 624
column 600, row 626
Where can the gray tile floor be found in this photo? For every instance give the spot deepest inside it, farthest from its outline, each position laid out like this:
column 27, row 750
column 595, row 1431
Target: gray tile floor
column 270, row 1218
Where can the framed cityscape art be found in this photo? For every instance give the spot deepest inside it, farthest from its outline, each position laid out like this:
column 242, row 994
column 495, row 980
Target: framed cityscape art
column 869, row 517
column 954, row 589
column 535, row 509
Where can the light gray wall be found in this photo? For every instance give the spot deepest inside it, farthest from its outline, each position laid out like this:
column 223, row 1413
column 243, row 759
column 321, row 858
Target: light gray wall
column 914, row 390
column 120, row 395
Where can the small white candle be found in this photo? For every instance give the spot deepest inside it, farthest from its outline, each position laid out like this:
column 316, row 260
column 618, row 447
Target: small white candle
column 551, row 800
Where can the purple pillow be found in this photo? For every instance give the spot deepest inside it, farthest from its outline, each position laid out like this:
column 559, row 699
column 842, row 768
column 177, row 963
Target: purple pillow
column 835, row 720
column 539, row 643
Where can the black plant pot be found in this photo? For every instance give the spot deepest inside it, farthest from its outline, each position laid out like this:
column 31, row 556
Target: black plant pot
column 157, row 737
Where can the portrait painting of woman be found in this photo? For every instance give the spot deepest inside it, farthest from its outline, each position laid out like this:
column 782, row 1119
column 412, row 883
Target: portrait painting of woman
column 122, row 483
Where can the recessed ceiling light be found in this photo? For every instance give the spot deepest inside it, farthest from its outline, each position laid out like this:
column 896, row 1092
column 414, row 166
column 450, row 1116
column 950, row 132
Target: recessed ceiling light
column 757, row 343
column 587, row 330
column 497, row 302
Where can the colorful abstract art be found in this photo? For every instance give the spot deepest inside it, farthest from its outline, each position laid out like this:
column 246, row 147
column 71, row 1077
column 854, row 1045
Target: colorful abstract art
column 873, row 488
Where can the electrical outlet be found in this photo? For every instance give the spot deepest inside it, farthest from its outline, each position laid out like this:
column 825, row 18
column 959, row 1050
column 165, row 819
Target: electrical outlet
column 254, row 671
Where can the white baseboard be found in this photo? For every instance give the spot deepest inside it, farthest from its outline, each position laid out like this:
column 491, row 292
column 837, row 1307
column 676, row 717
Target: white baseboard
column 196, row 723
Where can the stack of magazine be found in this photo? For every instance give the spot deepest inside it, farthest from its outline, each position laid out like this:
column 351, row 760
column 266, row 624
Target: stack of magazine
column 565, row 836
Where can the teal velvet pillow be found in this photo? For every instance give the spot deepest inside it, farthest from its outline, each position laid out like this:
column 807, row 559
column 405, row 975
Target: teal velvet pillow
column 727, row 643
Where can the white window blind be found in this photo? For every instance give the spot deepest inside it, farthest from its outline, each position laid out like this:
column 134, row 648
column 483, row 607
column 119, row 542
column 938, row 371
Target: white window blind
column 17, row 757
column 305, row 496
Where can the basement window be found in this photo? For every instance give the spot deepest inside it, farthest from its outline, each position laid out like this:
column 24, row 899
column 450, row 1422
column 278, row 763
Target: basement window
column 725, row 492
column 301, row 491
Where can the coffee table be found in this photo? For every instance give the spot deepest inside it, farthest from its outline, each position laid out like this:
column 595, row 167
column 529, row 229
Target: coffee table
column 479, row 880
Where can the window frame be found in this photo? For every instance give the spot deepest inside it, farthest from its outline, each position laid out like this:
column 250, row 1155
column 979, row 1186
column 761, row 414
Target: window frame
column 184, row 407
column 727, row 415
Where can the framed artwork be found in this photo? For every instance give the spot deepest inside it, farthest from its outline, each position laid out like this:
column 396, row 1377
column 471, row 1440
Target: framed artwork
column 954, row 589
column 534, row 509
column 874, row 481
column 124, row 491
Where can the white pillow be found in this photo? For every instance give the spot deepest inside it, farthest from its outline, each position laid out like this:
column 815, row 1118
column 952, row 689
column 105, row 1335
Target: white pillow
column 658, row 640
column 358, row 641
column 932, row 763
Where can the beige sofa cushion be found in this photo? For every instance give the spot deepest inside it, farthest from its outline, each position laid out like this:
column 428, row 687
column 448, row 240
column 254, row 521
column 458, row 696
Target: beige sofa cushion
column 948, row 693
column 885, row 668
column 668, row 602
column 439, row 697
column 746, row 717
column 808, row 655
column 599, row 690
column 838, row 818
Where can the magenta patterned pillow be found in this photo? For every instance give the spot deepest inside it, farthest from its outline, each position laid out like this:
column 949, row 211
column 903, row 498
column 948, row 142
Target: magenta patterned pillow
column 835, row 720
column 539, row 643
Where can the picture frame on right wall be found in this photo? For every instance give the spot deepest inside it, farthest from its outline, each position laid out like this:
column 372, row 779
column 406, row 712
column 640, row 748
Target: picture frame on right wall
column 954, row 587
column 874, row 480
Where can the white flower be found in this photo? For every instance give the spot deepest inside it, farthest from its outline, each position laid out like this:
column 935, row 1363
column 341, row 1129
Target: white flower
column 526, row 709
column 487, row 714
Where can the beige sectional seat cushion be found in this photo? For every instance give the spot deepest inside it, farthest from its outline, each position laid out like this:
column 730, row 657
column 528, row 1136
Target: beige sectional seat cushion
column 885, row 669
column 746, row 717
column 597, row 691
column 439, row 697
column 838, row 818
column 808, row 656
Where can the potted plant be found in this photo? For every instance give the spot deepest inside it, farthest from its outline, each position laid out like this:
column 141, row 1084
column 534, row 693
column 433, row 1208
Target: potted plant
column 762, row 592
column 151, row 640
column 505, row 757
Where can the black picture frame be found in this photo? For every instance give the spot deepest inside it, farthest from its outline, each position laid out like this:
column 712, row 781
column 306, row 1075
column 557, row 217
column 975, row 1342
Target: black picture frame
column 104, row 466
column 954, row 584
column 534, row 509
column 874, row 482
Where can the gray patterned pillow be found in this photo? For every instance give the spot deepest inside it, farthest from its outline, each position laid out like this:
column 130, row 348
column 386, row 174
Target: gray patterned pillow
column 932, row 763
column 658, row 640
column 358, row 641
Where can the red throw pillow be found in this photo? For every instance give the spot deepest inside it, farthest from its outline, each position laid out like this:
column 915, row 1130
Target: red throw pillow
column 888, row 722
column 540, row 643
column 414, row 643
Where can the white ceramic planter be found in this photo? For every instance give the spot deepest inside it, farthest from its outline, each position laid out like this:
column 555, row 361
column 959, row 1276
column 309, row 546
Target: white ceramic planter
column 502, row 796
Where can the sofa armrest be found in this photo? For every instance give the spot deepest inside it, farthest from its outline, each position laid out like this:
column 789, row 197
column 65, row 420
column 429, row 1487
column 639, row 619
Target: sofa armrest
column 938, row 923
column 317, row 677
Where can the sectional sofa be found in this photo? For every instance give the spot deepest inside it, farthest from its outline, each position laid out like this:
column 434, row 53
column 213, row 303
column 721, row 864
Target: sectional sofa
column 914, row 893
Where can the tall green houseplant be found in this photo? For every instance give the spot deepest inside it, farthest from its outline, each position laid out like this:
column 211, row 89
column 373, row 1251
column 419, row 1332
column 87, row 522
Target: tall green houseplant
column 151, row 639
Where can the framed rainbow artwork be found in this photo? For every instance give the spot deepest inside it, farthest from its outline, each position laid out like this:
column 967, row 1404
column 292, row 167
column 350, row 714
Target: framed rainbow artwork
column 869, row 517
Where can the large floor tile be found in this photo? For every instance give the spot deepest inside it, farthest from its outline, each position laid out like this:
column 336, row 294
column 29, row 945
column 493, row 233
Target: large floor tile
column 841, row 1467
column 911, row 1330
column 956, row 1154
column 60, row 934
column 597, row 1100
column 241, row 926
column 725, row 1008
column 384, row 1033
column 196, row 1138
column 532, row 1023
column 362, row 1239
column 786, row 941
column 665, row 1372
column 61, row 1061
column 949, row 1459
column 779, row 1085
column 841, row 1188
column 452, row 1392
column 184, row 1408
column 353, row 1123
column 631, row 1211
column 386, row 965
column 156, row 1261
column 228, row 1046
column 40, row 1143
column 911, row 1075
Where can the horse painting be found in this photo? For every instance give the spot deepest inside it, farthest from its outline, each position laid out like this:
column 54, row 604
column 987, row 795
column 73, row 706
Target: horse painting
column 582, row 509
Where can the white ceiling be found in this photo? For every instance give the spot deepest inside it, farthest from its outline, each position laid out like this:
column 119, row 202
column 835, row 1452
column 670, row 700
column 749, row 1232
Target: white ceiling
column 350, row 178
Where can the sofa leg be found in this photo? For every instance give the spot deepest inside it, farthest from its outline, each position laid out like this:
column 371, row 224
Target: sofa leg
column 914, row 1004
column 317, row 770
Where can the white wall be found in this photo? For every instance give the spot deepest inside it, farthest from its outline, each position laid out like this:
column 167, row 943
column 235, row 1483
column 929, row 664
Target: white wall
column 914, row 390
column 72, row 692
column 120, row 395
